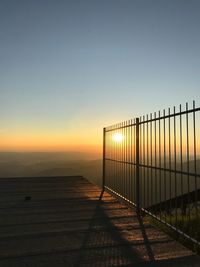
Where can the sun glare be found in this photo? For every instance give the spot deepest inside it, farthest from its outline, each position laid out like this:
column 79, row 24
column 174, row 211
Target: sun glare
column 117, row 137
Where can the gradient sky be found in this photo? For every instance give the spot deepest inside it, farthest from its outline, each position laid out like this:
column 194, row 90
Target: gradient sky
column 69, row 68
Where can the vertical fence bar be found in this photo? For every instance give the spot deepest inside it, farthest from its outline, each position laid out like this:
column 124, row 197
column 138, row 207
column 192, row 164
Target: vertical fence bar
column 144, row 162
column 195, row 161
column 140, row 149
column 155, row 155
column 131, row 160
column 175, row 177
column 169, row 166
column 134, row 156
column 126, row 165
column 151, row 159
column 147, row 151
column 123, row 149
column 181, row 159
column 164, row 152
column 188, row 160
column 115, row 163
column 122, row 165
column 160, row 178
column 104, row 158
column 137, row 164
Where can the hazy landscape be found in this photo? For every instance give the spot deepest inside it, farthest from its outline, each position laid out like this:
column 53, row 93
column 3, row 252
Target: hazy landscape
column 51, row 164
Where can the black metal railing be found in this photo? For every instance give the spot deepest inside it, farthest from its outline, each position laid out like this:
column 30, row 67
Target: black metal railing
column 153, row 162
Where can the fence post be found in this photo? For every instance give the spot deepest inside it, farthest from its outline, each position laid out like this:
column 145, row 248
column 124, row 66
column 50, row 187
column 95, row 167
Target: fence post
column 137, row 165
column 104, row 158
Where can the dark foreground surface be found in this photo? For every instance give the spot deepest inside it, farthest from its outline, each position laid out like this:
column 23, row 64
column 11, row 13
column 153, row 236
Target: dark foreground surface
column 69, row 222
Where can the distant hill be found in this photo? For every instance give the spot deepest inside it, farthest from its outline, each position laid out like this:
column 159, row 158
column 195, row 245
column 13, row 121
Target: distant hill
column 50, row 164
column 32, row 157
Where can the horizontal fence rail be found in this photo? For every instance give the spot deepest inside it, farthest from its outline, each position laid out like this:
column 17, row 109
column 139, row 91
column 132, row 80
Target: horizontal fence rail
column 153, row 162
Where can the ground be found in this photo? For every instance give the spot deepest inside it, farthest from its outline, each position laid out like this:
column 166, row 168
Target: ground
column 67, row 221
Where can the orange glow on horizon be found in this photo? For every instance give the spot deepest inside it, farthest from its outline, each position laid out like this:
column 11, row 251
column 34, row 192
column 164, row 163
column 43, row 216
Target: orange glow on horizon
column 49, row 143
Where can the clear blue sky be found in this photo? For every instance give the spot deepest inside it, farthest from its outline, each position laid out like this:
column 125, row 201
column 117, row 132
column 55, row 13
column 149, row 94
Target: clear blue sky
column 71, row 67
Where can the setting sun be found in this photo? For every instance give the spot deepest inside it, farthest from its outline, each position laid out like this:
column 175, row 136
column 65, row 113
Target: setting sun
column 117, row 137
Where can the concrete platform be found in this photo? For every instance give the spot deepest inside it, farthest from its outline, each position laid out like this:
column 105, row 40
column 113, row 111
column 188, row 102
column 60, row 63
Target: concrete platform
column 68, row 222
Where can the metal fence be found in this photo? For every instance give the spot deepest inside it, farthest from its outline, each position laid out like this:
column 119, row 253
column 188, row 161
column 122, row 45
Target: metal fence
column 153, row 162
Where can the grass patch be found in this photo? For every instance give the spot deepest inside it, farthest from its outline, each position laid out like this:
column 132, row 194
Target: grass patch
column 190, row 227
